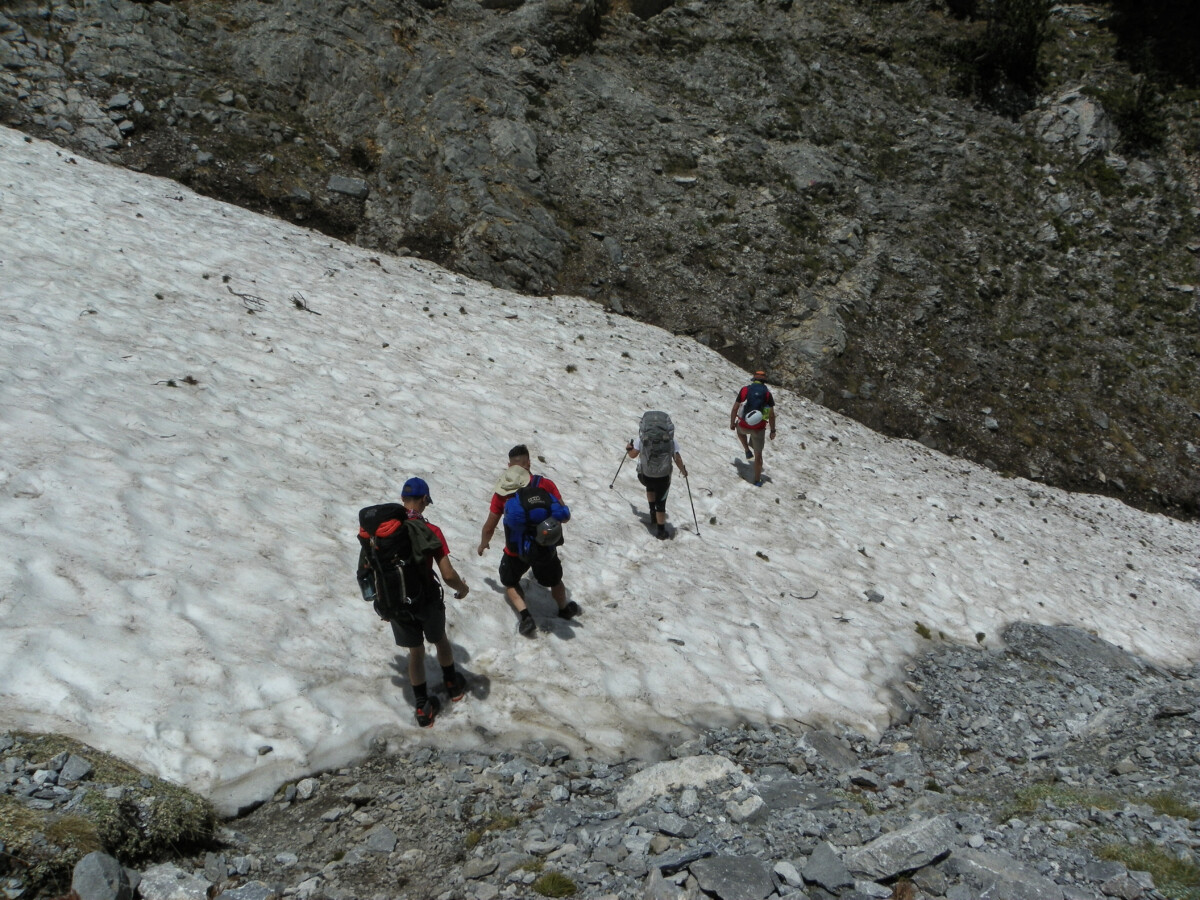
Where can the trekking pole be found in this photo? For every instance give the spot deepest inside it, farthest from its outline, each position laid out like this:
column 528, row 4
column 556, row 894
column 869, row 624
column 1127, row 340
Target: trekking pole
column 694, row 519
column 624, row 456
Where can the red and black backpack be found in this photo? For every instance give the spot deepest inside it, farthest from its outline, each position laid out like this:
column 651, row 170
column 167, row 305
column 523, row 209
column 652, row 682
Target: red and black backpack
column 392, row 569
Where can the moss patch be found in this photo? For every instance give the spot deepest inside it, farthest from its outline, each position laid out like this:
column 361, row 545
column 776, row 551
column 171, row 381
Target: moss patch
column 149, row 817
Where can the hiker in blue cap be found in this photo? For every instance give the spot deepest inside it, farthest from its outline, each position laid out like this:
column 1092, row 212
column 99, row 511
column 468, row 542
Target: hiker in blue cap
column 426, row 621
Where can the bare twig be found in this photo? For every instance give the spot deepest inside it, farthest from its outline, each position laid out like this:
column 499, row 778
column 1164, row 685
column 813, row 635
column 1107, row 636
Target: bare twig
column 300, row 302
column 250, row 301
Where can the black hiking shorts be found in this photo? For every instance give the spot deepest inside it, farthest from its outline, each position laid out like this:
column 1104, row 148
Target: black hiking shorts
column 414, row 625
column 546, row 566
column 656, row 486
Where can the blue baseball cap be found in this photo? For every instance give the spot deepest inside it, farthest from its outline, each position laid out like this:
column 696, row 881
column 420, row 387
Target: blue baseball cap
column 416, row 487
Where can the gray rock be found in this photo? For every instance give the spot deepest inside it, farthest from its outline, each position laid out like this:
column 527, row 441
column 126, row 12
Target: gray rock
column 1001, row 877
column 825, row 868
column 658, row 888
column 695, row 772
column 251, row 890
column 477, row 867
column 169, row 882
column 748, row 810
column 734, row 878
column 788, row 874
column 835, row 753
column 1079, row 123
column 100, row 877
column 794, row 793
column 76, row 768
column 381, row 839
column 674, row 861
column 903, row 850
column 351, row 187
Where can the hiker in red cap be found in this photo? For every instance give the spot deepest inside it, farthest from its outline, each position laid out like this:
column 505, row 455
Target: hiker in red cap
column 752, row 413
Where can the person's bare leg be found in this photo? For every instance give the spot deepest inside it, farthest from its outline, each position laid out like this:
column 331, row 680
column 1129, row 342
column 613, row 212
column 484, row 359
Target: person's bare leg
column 445, row 654
column 516, row 598
column 416, row 666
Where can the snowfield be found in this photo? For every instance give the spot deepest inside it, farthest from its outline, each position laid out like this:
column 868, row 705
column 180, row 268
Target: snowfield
column 196, row 400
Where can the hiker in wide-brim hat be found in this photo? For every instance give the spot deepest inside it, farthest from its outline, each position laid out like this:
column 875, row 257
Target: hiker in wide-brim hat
column 547, row 568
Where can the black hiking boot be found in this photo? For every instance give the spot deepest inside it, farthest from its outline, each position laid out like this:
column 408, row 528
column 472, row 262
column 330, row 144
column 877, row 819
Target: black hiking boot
column 456, row 687
column 527, row 627
column 661, row 534
column 570, row 611
column 427, row 710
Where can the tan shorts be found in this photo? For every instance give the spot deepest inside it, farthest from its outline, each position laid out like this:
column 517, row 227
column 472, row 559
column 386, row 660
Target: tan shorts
column 756, row 436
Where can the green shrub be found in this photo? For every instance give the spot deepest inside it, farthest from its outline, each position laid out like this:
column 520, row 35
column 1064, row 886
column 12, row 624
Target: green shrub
column 1004, row 69
column 1174, row 878
column 1137, row 111
column 1160, row 38
column 555, row 884
column 1166, row 803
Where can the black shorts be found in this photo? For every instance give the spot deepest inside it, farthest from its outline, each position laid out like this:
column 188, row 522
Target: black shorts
column 657, row 486
column 415, row 625
column 547, row 568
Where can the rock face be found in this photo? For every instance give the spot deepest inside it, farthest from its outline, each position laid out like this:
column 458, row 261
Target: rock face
column 793, row 183
column 1008, row 776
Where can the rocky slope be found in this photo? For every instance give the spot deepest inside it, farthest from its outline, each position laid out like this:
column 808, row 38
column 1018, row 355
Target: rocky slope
column 797, row 183
column 1056, row 768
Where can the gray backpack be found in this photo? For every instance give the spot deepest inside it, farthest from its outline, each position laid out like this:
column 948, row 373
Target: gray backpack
column 657, row 434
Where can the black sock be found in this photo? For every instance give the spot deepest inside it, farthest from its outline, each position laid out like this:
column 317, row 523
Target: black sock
column 526, row 614
column 420, row 692
column 448, row 673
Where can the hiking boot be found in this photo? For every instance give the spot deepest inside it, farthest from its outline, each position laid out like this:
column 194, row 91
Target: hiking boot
column 661, row 534
column 758, row 483
column 427, row 710
column 456, row 687
column 570, row 611
column 527, row 627
column 749, row 454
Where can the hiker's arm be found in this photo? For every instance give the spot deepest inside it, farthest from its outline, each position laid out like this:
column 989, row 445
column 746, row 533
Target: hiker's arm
column 489, row 528
column 733, row 413
column 774, row 416
column 559, row 510
column 451, row 577
column 682, row 467
column 631, row 452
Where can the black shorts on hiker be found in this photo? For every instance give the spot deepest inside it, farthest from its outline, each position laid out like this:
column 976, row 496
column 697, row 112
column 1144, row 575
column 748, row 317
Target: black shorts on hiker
column 413, row 626
column 658, row 486
column 547, row 569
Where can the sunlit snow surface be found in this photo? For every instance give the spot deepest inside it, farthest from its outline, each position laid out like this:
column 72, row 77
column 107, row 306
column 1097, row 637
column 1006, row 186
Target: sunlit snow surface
column 176, row 574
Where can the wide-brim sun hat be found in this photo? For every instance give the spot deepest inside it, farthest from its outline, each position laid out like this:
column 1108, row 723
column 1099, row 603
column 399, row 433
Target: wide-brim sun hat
column 513, row 479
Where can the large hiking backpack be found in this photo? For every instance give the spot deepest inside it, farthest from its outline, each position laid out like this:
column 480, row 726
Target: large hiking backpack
column 756, row 399
column 392, row 568
column 657, row 434
column 539, row 531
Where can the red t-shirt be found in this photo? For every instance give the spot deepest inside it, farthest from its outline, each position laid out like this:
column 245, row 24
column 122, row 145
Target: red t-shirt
column 496, row 507
column 767, row 404
column 437, row 532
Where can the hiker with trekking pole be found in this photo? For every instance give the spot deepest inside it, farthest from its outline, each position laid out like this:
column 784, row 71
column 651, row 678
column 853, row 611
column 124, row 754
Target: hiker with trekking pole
column 655, row 448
